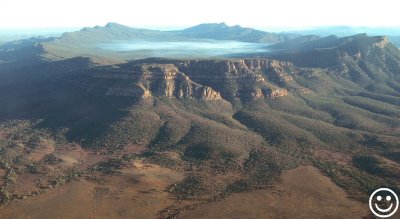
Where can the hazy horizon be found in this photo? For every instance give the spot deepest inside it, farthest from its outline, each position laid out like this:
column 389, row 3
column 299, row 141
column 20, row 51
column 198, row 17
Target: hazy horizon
column 52, row 30
column 253, row 13
column 11, row 34
column 174, row 27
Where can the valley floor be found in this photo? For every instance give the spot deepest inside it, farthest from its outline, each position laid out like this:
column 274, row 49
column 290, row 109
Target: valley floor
column 139, row 192
column 303, row 193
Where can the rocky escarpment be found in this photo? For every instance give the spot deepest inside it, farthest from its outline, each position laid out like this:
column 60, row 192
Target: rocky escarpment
column 232, row 80
column 147, row 80
column 381, row 42
column 166, row 80
column 245, row 79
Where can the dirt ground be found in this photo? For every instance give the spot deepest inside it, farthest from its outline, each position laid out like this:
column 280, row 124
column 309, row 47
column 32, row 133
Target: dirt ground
column 303, row 193
column 137, row 192
column 3, row 173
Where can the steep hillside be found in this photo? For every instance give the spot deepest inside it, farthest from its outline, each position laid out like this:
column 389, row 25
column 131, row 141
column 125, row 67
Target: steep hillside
column 371, row 62
column 22, row 52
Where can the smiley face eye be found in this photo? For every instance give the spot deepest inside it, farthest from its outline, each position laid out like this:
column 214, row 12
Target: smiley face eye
column 388, row 198
column 379, row 198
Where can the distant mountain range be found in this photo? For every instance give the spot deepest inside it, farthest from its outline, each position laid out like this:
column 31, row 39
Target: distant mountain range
column 341, row 31
column 85, row 41
column 222, row 31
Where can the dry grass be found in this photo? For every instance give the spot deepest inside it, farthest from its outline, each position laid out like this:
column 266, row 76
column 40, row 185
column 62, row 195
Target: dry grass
column 303, row 193
column 137, row 192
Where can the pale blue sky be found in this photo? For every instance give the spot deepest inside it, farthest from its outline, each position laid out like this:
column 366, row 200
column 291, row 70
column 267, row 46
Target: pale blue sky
column 183, row 13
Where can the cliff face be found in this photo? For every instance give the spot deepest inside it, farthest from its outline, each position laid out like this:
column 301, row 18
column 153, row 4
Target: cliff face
column 167, row 80
column 242, row 79
column 381, row 42
column 149, row 80
column 245, row 79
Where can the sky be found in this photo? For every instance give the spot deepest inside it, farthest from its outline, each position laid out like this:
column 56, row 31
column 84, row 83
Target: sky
column 295, row 14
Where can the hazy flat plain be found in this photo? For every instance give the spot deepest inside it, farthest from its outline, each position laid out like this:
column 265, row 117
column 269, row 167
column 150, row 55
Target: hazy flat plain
column 176, row 49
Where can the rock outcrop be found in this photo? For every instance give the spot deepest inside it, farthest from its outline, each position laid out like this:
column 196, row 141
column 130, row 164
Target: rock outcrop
column 277, row 93
column 381, row 42
column 233, row 79
column 147, row 80
column 246, row 79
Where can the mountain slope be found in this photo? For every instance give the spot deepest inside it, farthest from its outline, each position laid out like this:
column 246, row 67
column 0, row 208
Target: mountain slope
column 370, row 62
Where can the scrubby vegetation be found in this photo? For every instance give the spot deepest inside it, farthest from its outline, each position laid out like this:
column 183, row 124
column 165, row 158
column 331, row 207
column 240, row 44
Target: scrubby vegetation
column 356, row 182
column 375, row 166
column 18, row 137
column 261, row 166
column 160, row 159
column 192, row 186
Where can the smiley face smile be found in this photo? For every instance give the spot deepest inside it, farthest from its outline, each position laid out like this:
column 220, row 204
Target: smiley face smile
column 384, row 210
